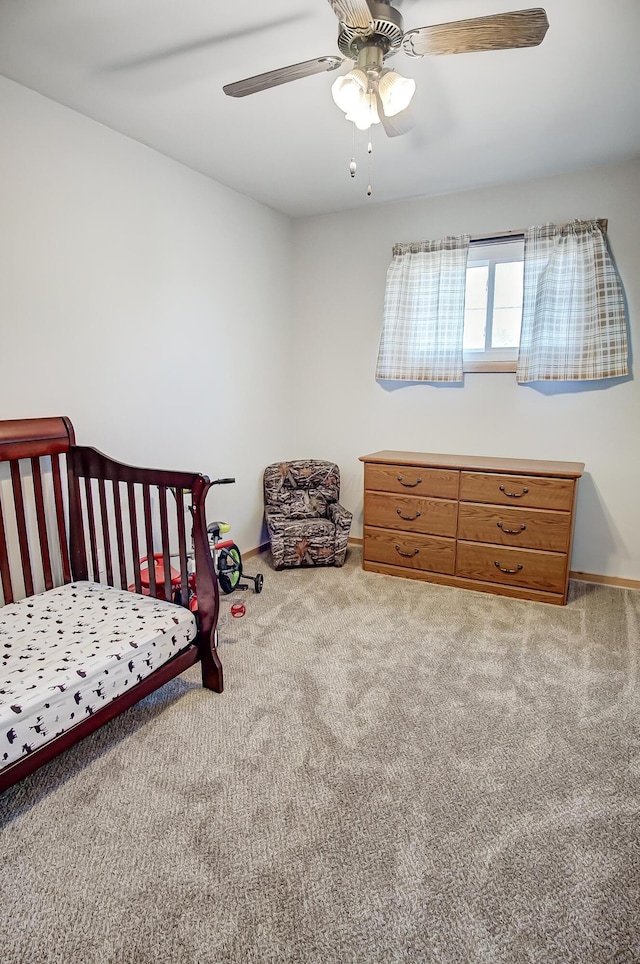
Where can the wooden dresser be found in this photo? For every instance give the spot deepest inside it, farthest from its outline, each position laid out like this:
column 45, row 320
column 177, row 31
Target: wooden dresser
column 495, row 525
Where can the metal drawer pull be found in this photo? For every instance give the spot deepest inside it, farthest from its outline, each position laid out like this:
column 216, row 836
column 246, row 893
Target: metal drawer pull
column 408, row 518
column 407, row 555
column 514, row 495
column 510, row 571
column 409, row 485
column 510, row 532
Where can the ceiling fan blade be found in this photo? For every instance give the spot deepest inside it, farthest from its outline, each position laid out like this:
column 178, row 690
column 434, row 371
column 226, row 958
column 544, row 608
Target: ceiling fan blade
column 400, row 123
column 272, row 78
column 353, row 13
column 502, row 31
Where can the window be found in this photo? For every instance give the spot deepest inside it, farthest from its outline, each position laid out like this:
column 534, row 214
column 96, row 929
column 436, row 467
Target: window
column 547, row 304
column 493, row 306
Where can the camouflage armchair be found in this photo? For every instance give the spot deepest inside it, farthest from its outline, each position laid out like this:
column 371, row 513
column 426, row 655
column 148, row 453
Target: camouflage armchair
column 306, row 523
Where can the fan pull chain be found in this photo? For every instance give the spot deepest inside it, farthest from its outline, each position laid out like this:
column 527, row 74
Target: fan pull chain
column 353, row 167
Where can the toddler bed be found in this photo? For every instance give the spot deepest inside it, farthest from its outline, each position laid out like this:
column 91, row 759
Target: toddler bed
column 77, row 646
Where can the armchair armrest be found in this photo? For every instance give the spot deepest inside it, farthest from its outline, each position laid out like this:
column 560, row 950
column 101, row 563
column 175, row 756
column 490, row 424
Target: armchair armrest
column 275, row 527
column 275, row 521
column 340, row 516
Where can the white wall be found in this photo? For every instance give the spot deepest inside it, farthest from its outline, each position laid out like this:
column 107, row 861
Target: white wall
column 144, row 301
column 342, row 412
column 124, row 303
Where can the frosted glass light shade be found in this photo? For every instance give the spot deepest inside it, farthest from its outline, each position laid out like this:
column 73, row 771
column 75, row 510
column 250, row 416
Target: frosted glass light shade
column 365, row 113
column 348, row 90
column 395, row 92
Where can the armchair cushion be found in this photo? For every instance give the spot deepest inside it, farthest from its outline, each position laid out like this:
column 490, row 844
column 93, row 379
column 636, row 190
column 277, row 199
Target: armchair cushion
column 303, row 504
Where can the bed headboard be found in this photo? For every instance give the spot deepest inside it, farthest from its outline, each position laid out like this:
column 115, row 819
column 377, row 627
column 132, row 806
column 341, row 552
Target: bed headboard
column 26, row 438
column 33, row 513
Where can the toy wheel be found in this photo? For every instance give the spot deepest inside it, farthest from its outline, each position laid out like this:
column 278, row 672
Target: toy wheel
column 229, row 568
column 259, row 580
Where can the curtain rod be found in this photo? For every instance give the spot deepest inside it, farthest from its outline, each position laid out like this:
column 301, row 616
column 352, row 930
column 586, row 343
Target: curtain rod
column 497, row 238
column 518, row 234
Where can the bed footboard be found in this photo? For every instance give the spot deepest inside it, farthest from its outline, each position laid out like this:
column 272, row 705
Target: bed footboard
column 120, row 514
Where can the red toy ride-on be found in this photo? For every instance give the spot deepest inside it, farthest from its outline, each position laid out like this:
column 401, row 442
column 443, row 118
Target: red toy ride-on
column 227, row 562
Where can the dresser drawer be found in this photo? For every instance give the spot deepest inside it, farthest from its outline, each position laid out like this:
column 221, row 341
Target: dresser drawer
column 522, row 490
column 409, row 550
column 439, row 483
column 530, row 528
column 527, row 568
column 411, row 513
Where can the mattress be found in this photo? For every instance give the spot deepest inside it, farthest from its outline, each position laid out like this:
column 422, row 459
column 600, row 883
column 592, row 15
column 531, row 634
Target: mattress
column 67, row 652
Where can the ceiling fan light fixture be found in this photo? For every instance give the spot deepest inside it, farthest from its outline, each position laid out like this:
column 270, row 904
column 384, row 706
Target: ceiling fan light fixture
column 355, row 94
column 365, row 112
column 396, row 91
column 348, row 90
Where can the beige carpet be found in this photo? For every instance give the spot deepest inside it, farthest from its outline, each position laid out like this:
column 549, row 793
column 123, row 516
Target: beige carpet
column 395, row 772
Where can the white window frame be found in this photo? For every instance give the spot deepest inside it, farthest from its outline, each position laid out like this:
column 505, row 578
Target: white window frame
column 495, row 251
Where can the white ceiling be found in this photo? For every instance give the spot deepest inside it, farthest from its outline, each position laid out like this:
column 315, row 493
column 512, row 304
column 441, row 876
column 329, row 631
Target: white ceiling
column 154, row 69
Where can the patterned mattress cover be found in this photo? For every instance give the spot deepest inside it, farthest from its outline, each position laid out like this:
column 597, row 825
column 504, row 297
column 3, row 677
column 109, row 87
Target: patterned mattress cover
column 67, row 652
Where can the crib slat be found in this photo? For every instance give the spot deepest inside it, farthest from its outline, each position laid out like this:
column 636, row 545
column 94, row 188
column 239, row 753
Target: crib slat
column 106, row 535
column 148, row 528
column 122, row 562
column 42, row 523
column 93, row 545
column 18, row 501
column 5, row 572
column 164, row 535
column 135, row 544
column 62, row 531
column 182, row 547
column 77, row 537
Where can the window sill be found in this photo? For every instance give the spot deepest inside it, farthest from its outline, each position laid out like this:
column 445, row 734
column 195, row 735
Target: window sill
column 489, row 366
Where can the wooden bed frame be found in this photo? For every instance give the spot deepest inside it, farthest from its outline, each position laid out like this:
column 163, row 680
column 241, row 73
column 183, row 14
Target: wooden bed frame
column 74, row 514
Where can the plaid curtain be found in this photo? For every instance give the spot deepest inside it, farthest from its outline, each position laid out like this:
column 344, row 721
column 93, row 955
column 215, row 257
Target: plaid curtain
column 423, row 322
column 573, row 317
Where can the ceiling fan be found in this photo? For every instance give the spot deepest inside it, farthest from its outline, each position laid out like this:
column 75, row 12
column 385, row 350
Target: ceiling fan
column 370, row 32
